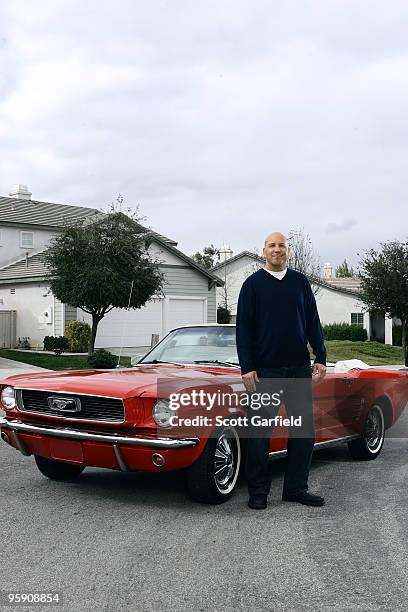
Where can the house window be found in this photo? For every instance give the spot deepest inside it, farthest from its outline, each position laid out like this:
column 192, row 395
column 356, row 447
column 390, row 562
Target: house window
column 357, row 318
column 27, row 240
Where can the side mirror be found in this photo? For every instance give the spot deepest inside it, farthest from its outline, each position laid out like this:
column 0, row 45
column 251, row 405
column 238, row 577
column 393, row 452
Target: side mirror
column 134, row 359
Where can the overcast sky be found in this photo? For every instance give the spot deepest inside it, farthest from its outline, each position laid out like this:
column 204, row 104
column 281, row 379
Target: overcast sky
column 222, row 120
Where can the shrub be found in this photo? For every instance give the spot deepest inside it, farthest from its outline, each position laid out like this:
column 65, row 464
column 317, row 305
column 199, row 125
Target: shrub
column 78, row 334
column 58, row 344
column 223, row 314
column 102, row 359
column 344, row 331
column 397, row 335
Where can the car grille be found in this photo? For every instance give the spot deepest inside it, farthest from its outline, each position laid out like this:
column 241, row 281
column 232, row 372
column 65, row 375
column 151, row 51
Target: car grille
column 93, row 408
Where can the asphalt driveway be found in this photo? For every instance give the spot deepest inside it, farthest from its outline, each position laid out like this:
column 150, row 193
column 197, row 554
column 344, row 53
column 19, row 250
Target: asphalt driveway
column 117, row 541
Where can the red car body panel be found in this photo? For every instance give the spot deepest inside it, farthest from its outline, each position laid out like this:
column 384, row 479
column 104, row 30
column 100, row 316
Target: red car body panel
column 341, row 402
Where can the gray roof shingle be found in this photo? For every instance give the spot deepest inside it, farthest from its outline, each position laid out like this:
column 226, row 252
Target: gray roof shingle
column 33, row 212
column 29, row 267
column 49, row 214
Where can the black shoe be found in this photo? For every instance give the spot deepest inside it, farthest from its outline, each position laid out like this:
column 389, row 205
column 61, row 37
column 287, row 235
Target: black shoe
column 258, row 502
column 306, row 498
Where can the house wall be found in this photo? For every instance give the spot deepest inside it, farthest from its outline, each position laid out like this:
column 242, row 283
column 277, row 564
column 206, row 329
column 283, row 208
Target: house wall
column 159, row 252
column 236, row 273
column 10, row 249
column 336, row 307
column 183, row 280
column 32, row 302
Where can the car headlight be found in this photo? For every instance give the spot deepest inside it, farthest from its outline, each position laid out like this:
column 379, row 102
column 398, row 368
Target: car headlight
column 8, row 398
column 162, row 413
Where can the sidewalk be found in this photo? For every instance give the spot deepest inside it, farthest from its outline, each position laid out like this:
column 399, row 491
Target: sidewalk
column 8, row 367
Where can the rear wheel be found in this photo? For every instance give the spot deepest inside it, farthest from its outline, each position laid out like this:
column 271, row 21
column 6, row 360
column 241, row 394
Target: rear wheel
column 369, row 445
column 58, row 470
column 212, row 478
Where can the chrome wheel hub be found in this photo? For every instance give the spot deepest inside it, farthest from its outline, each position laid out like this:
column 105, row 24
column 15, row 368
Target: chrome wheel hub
column 227, row 459
column 374, row 429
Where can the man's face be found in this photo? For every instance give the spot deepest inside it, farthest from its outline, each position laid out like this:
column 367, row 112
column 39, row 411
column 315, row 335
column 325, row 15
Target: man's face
column 276, row 251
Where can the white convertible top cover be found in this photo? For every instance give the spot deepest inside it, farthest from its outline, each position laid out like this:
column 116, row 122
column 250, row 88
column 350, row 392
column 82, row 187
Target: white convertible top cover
column 349, row 364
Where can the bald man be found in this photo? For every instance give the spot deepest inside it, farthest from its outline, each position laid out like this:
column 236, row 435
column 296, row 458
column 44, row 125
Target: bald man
column 276, row 318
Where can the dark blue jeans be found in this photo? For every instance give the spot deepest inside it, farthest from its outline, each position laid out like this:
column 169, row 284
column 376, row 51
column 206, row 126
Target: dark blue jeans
column 297, row 396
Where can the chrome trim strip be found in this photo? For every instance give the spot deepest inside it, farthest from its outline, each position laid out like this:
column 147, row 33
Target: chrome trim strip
column 82, row 435
column 19, row 402
column 66, row 392
column 20, row 444
column 335, row 441
column 120, row 459
column 317, row 446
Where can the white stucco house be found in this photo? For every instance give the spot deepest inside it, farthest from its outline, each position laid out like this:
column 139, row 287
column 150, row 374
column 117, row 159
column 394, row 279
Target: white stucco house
column 337, row 299
column 26, row 228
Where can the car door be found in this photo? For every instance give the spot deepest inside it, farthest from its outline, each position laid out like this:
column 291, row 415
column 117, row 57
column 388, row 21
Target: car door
column 337, row 403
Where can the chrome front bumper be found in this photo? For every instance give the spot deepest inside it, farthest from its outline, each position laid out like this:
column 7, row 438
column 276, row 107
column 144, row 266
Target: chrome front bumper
column 73, row 434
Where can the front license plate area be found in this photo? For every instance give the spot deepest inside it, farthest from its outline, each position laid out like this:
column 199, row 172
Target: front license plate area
column 66, row 450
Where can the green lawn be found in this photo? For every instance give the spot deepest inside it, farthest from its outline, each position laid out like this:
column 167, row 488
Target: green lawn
column 372, row 353
column 53, row 362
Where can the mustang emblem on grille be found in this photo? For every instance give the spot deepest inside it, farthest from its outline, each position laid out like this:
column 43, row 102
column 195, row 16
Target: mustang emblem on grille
column 64, row 404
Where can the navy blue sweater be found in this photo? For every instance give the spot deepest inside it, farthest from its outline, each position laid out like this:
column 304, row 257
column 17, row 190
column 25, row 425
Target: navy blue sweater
column 275, row 320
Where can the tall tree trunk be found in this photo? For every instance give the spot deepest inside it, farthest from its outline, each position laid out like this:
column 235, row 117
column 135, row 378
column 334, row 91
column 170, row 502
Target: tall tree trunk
column 94, row 329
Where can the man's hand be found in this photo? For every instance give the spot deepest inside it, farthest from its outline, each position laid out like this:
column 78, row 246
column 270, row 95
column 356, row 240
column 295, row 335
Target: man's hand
column 249, row 379
column 318, row 372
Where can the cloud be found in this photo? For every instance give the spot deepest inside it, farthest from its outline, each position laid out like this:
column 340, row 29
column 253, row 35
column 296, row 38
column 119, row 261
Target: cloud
column 228, row 116
column 342, row 226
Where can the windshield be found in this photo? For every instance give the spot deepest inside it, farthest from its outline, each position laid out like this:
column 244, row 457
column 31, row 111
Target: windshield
column 196, row 344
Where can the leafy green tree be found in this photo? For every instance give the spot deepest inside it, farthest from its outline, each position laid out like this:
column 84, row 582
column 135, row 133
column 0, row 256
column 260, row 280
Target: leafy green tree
column 343, row 271
column 208, row 258
column 101, row 265
column 384, row 282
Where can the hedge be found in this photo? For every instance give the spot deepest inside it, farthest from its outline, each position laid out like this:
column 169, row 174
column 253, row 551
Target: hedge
column 344, row 331
column 58, row 344
column 102, row 360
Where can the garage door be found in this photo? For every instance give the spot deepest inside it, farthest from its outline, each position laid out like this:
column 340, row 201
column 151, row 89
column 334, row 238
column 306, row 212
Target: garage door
column 185, row 311
column 135, row 327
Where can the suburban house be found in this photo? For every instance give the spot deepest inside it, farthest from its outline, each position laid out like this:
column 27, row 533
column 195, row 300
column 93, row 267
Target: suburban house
column 29, row 310
column 338, row 299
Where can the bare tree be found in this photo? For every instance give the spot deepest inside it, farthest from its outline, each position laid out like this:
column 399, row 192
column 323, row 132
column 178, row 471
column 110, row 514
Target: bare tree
column 303, row 257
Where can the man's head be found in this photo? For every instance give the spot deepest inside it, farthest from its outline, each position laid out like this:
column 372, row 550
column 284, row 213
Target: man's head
column 276, row 251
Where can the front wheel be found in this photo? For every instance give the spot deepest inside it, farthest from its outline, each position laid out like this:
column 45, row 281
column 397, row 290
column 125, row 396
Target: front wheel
column 212, row 478
column 58, row 470
column 369, row 445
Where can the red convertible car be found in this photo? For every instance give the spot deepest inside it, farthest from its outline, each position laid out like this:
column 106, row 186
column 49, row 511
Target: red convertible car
column 125, row 419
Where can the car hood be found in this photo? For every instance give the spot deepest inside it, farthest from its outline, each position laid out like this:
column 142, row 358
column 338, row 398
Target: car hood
column 149, row 380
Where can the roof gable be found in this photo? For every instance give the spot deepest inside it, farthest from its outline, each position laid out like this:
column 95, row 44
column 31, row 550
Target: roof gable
column 241, row 255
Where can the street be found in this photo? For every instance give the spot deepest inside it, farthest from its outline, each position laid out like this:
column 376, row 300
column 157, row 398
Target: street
column 115, row 541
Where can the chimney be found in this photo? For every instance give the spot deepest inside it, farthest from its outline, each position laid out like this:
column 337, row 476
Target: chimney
column 225, row 253
column 327, row 271
column 20, row 192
